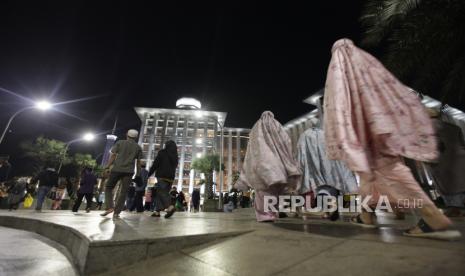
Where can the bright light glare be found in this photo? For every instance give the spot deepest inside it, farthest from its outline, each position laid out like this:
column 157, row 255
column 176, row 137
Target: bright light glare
column 88, row 137
column 198, row 114
column 43, row 105
column 199, row 141
column 199, row 155
column 188, row 103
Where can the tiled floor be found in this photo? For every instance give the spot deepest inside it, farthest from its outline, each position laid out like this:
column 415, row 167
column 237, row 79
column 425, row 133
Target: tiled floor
column 291, row 246
column 25, row 253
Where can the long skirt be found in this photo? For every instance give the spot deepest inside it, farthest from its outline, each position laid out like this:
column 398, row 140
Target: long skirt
column 260, row 212
column 402, row 190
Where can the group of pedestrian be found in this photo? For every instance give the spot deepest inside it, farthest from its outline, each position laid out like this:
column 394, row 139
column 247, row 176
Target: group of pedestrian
column 371, row 122
column 125, row 162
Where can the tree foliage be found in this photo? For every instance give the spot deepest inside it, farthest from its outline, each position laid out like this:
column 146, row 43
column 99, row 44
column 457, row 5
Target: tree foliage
column 207, row 165
column 44, row 152
column 49, row 152
column 422, row 42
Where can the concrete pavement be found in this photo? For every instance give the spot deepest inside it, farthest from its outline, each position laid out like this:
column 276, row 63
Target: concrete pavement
column 289, row 247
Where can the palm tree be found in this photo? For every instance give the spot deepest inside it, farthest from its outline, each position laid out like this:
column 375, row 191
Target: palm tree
column 207, row 165
column 422, row 42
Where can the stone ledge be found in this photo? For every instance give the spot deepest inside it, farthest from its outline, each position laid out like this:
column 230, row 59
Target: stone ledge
column 94, row 257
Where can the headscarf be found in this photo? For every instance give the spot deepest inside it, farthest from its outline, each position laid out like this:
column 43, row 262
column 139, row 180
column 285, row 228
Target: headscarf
column 172, row 151
column 269, row 159
column 371, row 116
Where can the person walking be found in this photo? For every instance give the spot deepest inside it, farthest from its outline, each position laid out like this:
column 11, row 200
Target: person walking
column 173, row 195
column 371, row 121
column 5, row 168
column 141, row 184
column 180, row 201
column 130, row 197
column 269, row 166
column 164, row 166
column 86, row 189
column 47, row 178
column 148, row 200
column 121, row 165
column 16, row 193
column 59, row 194
column 196, row 199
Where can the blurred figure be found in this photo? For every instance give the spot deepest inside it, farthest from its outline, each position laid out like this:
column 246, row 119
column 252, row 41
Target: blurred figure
column 164, row 167
column 130, row 195
column 148, row 200
column 141, row 184
column 59, row 194
column 173, row 195
column 269, row 165
column 196, row 199
column 371, row 121
column 5, row 168
column 16, row 193
column 245, row 199
column 180, row 201
column 47, row 178
column 86, row 189
column 449, row 171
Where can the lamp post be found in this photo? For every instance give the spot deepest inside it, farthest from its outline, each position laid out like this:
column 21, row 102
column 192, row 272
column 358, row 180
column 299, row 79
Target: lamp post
column 41, row 105
column 88, row 137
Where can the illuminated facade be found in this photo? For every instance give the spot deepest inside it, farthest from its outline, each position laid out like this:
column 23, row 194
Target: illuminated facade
column 196, row 133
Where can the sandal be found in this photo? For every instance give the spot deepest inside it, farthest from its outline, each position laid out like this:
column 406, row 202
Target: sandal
column 170, row 212
column 430, row 233
column 358, row 221
column 108, row 211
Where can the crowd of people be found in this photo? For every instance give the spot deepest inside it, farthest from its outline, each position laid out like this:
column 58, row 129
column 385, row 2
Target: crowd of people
column 370, row 126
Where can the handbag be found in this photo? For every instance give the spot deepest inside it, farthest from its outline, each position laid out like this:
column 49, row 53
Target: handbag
column 28, row 201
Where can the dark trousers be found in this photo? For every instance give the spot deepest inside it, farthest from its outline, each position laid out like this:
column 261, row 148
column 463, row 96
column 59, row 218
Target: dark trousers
column 125, row 179
column 78, row 202
column 196, row 199
column 138, row 202
column 163, row 198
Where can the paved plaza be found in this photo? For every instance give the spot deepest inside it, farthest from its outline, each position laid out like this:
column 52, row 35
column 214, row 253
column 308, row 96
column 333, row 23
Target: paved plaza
column 227, row 244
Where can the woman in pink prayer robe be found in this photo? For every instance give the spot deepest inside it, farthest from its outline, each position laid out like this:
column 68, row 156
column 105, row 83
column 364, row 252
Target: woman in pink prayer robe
column 371, row 121
column 269, row 165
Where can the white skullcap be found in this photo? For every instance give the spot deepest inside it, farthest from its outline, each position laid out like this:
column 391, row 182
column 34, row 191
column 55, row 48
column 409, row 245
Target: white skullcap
column 133, row 133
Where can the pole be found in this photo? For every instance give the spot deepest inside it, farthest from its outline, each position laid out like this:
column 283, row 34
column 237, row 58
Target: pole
column 11, row 120
column 62, row 157
column 220, row 199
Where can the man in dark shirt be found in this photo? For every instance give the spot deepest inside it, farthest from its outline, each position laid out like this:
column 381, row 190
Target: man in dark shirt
column 47, row 178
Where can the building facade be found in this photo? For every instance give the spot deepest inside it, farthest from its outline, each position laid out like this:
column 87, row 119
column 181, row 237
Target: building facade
column 197, row 133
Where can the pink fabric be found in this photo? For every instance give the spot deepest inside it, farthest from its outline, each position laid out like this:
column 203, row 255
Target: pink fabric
column 259, row 205
column 370, row 116
column 269, row 159
column 269, row 165
column 397, row 183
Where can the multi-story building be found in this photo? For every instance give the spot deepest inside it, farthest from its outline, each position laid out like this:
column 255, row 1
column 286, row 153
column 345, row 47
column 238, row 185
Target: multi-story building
column 196, row 133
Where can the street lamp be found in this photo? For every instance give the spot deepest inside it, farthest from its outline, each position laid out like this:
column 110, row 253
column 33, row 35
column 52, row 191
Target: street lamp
column 41, row 105
column 87, row 137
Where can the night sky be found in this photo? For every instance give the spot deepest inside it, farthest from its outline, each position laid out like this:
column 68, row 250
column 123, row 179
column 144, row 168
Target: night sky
column 238, row 57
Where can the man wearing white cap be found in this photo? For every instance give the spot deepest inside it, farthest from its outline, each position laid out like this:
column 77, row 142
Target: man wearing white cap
column 121, row 164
